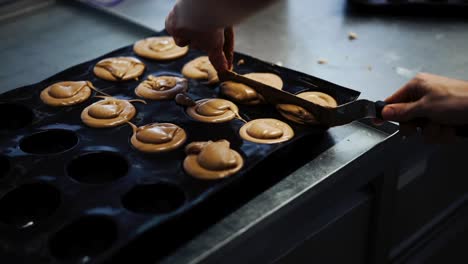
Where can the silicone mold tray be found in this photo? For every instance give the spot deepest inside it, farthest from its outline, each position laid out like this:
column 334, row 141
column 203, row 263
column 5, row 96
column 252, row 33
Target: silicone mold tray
column 74, row 194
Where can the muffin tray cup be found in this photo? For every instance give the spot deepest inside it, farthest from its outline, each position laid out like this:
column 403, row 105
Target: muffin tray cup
column 74, row 194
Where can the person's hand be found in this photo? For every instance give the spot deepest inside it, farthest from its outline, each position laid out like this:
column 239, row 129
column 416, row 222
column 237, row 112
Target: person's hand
column 433, row 103
column 218, row 43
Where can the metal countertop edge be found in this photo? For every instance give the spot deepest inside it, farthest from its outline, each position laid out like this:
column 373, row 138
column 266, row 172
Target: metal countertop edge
column 304, row 180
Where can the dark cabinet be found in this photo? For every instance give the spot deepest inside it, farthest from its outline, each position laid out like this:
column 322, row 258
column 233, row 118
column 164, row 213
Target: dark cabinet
column 342, row 240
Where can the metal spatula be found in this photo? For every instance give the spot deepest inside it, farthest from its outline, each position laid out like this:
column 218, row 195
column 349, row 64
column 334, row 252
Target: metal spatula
column 326, row 116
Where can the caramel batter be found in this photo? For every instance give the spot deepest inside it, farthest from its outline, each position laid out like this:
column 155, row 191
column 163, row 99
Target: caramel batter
column 200, row 69
column 158, row 137
column 300, row 115
column 161, row 87
column 184, row 99
column 213, row 110
column 66, row 93
column 119, row 69
column 266, row 131
column 212, row 160
column 159, row 48
column 244, row 94
column 109, row 112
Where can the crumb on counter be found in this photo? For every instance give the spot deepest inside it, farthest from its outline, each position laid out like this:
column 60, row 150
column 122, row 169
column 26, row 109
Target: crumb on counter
column 240, row 62
column 322, row 61
column 352, row 36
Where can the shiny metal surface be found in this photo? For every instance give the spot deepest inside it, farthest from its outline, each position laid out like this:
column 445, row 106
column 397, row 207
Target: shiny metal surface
column 42, row 42
column 353, row 111
column 326, row 116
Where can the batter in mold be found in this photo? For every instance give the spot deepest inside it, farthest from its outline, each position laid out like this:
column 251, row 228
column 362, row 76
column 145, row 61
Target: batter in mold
column 300, row 115
column 158, row 137
column 212, row 160
column 214, row 110
column 161, row 87
column 119, row 69
column 67, row 93
column 244, row 94
column 183, row 99
column 266, row 131
column 109, row 112
column 159, row 48
column 201, row 69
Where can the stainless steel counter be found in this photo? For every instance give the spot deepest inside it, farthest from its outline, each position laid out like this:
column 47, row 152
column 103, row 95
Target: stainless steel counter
column 44, row 41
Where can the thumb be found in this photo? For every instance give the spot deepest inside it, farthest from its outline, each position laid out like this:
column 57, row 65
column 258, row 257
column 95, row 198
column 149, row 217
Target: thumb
column 401, row 112
column 218, row 59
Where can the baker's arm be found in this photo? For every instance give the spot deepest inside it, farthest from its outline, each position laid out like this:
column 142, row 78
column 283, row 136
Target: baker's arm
column 438, row 104
column 207, row 25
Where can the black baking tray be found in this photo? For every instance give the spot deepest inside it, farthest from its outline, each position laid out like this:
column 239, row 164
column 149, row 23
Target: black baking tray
column 63, row 185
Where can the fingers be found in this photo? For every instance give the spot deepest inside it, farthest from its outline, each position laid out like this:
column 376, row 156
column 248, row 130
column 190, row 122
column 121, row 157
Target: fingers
column 218, row 59
column 221, row 55
column 181, row 42
column 411, row 91
column 228, row 47
column 219, row 44
column 402, row 112
column 172, row 30
column 169, row 23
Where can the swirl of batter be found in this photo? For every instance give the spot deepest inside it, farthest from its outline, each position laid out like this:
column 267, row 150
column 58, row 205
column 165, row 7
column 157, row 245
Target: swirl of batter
column 159, row 48
column 244, row 94
column 300, row 115
column 201, row 69
column 67, row 93
column 158, row 137
column 266, row 131
column 161, row 87
column 119, row 69
column 109, row 112
column 213, row 110
column 212, row 160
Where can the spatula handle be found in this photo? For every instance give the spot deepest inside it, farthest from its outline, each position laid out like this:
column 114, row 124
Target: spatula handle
column 379, row 106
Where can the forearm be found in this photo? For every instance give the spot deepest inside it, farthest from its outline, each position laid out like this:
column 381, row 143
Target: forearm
column 210, row 14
